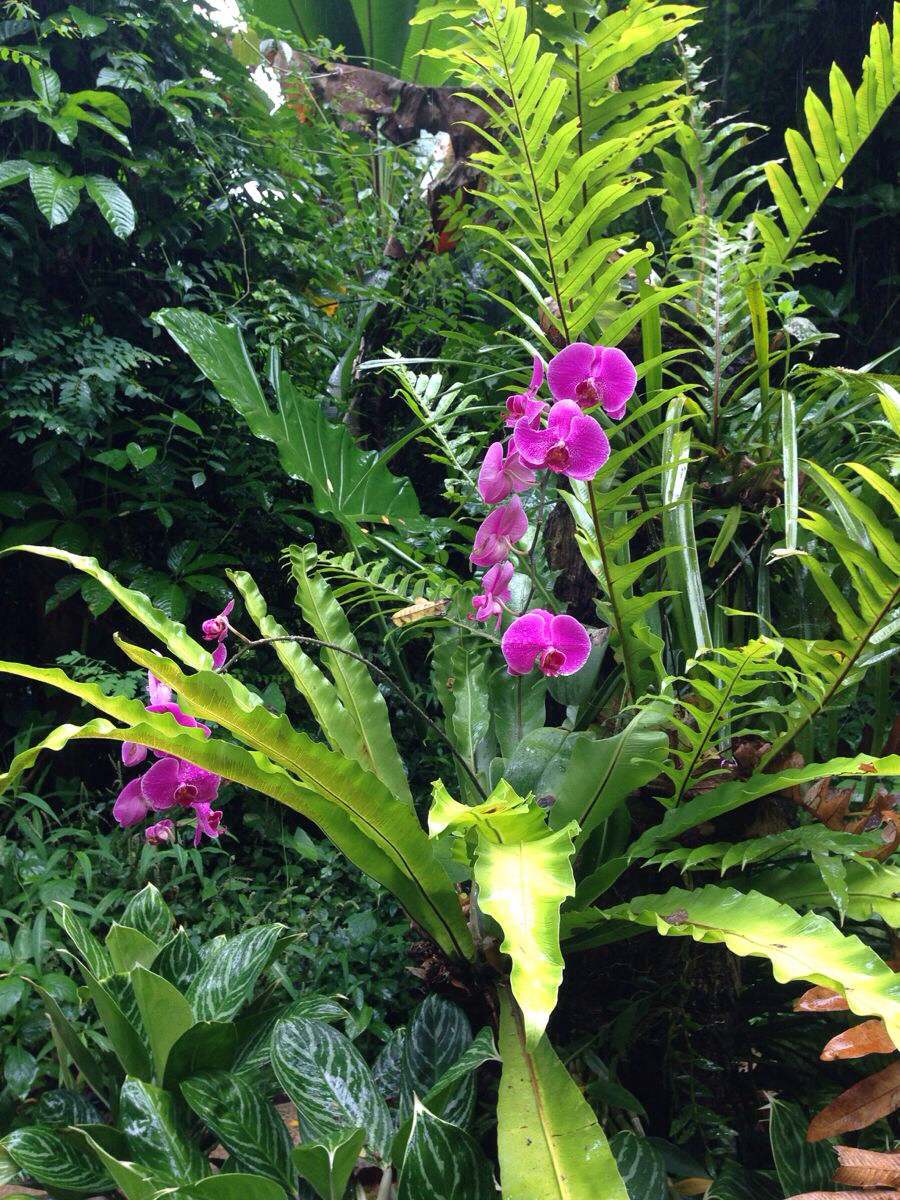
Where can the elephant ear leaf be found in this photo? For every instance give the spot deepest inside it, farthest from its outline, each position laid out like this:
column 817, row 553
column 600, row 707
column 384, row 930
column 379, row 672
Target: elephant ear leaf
column 351, row 484
column 523, row 871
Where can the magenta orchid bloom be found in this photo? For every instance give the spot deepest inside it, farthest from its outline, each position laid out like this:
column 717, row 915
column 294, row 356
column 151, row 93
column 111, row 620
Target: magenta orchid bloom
column 160, row 701
column 501, row 474
column 592, row 375
column 208, row 821
column 496, row 592
column 216, row 628
column 498, row 532
column 524, row 404
column 560, row 644
column 169, row 781
column 572, row 444
column 160, row 833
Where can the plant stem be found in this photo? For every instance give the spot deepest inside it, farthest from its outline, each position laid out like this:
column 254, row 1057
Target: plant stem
column 627, row 665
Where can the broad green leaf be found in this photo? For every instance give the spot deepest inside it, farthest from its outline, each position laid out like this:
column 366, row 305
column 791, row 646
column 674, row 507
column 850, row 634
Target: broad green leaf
column 111, row 1147
column 54, row 1161
column 55, row 195
column 352, row 484
column 539, row 764
column 169, row 632
column 641, row 1166
column 442, row 1154
column 114, row 205
column 60, row 1107
column 20, row 1069
column 802, row 1166
column 736, row 1183
column 438, row 1035
column 165, row 1014
column 327, row 1079
column 524, row 872
column 602, row 774
column 244, row 1122
column 46, row 84
column 148, row 912
column 328, row 1164
column 206, row 1046
column 870, row 888
column 126, row 1041
column 149, row 1118
column 799, row 947
column 379, row 834
column 548, row 1140
column 226, row 979
column 14, row 170
column 128, row 948
column 236, row 1186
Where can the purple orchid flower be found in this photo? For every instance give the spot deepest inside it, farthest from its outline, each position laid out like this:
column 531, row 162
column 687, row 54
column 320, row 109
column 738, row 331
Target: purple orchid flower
column 560, row 644
column 496, row 592
column 160, row 833
column 592, row 375
column 572, row 443
column 501, row 474
column 208, row 821
column 498, row 532
column 216, row 628
column 160, row 701
column 168, row 782
column 524, row 404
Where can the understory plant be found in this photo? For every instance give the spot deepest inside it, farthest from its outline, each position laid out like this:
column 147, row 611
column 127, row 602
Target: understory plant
column 737, row 640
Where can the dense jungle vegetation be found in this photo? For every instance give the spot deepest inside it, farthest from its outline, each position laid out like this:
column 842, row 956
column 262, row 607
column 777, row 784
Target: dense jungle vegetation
column 450, row 560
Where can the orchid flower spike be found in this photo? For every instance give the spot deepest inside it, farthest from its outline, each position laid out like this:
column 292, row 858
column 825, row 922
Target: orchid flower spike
column 525, row 404
column 169, row 781
column 560, row 644
column 498, row 533
column 592, row 375
column 501, row 474
column 496, row 592
column 572, row 444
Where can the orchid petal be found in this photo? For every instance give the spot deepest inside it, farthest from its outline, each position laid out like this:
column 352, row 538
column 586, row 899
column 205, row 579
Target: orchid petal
column 159, row 692
column 130, row 806
column 133, row 753
column 570, row 637
column 492, row 481
column 526, row 637
column 588, row 448
column 618, row 378
column 569, row 368
column 159, row 784
column 219, row 655
column 533, row 444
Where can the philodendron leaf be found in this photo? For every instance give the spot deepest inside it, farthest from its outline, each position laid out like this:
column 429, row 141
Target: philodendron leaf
column 549, row 1142
column 443, row 1159
column 149, row 914
column 438, row 1034
column 55, row 1162
column 117, row 209
column 328, row 1081
column 128, row 948
column 56, row 195
column 524, row 872
column 802, row 1166
column 134, row 1181
column 178, row 961
column 798, row 947
column 149, row 1118
column 328, row 1164
column 93, row 953
column 244, row 1122
column 165, row 1014
column 641, row 1166
column 126, row 1041
column 208, row 1045
column 226, row 980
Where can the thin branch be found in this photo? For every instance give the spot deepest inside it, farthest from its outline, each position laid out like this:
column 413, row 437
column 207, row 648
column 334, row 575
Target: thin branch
column 374, row 668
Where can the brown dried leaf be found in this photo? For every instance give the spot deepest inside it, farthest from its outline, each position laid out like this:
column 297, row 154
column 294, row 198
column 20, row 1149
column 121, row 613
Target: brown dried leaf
column 847, row 1196
column 865, row 1102
column 821, row 999
column 871, row 1037
column 867, row 1168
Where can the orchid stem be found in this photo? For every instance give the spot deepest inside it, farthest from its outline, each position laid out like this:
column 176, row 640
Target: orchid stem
column 375, row 669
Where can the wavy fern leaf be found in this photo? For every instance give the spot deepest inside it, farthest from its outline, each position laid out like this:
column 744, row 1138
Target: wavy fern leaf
column 835, row 137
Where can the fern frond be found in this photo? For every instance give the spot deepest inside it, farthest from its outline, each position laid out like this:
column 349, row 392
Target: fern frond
column 834, row 139
column 379, row 583
column 722, row 856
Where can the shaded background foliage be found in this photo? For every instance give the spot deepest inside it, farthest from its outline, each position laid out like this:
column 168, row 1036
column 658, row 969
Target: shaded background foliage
column 113, row 447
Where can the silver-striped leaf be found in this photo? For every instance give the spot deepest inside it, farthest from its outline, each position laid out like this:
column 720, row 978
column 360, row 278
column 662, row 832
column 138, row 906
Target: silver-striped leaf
column 325, row 1076
column 802, row 1166
column 439, row 1033
column 442, row 1162
column 246, row 1125
column 226, row 980
column 149, row 914
column 231, row 1187
column 641, row 1167
column 206, row 1046
column 255, row 1032
column 149, row 1118
column 92, row 952
column 54, row 1162
column 328, row 1165
column 178, row 961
